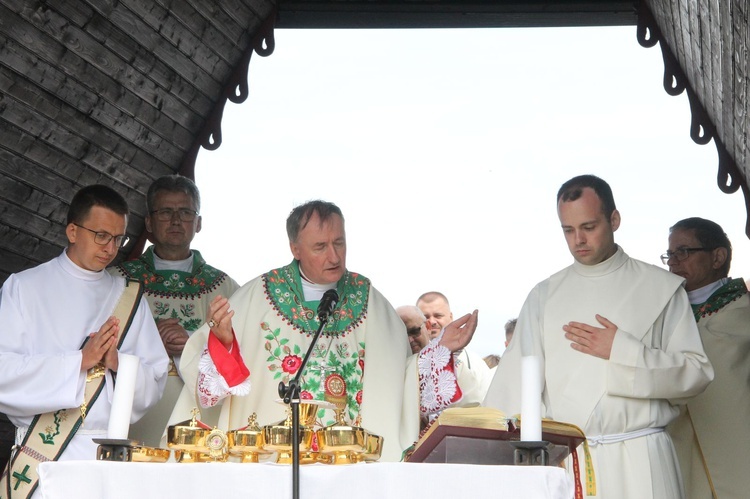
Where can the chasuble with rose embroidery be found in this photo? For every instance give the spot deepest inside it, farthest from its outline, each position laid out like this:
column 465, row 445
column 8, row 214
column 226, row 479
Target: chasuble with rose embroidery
column 362, row 361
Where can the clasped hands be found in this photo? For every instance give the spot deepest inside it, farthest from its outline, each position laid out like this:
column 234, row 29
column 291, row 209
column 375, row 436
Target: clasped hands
column 173, row 335
column 102, row 347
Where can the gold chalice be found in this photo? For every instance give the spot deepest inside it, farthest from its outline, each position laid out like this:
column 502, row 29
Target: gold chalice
column 308, row 412
column 278, row 437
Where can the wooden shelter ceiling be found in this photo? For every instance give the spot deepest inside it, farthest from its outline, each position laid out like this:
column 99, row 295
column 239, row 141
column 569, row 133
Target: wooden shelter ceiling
column 122, row 92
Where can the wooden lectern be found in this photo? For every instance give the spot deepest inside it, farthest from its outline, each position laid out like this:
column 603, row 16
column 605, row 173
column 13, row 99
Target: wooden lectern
column 480, row 435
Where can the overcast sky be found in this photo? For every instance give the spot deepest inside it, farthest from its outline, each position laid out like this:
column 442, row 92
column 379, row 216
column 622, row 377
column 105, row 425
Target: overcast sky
column 445, row 150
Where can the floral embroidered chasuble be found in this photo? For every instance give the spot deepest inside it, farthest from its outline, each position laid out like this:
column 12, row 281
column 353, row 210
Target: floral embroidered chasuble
column 335, row 370
column 362, row 360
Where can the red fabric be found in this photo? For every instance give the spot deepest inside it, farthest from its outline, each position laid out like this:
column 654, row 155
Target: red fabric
column 451, row 367
column 229, row 364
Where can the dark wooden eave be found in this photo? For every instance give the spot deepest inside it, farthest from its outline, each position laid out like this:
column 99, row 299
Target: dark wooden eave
column 705, row 46
column 348, row 14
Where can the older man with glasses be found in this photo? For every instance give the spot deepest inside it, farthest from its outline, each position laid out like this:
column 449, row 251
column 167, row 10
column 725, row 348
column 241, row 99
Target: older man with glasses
column 179, row 284
column 60, row 343
column 416, row 327
column 712, row 433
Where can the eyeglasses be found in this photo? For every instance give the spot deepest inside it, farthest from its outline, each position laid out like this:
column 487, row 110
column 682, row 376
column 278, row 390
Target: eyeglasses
column 166, row 214
column 681, row 254
column 103, row 238
column 415, row 330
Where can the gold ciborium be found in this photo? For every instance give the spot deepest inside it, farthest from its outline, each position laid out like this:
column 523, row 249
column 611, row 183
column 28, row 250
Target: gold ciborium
column 194, row 441
column 348, row 444
column 247, row 443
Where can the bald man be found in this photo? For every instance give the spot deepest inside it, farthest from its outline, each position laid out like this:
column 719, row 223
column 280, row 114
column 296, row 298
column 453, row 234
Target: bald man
column 473, row 373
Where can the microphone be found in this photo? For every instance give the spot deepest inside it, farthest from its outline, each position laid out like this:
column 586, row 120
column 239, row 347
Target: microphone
column 327, row 304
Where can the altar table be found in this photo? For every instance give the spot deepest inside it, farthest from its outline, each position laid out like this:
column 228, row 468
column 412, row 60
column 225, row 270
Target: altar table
column 115, row 480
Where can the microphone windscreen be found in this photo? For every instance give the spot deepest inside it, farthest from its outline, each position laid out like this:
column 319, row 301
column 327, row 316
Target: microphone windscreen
column 327, row 304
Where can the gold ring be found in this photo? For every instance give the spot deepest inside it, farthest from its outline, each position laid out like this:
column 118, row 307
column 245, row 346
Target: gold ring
column 211, row 323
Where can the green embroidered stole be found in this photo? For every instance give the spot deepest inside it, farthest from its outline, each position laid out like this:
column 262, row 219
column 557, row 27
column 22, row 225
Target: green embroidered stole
column 174, row 283
column 726, row 294
column 284, row 289
column 59, row 427
column 335, row 368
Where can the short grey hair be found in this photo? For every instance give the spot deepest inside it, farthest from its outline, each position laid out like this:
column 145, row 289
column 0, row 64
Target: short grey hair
column 301, row 215
column 173, row 183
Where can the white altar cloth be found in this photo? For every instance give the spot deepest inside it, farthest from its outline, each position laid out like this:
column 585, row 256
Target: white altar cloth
column 114, row 480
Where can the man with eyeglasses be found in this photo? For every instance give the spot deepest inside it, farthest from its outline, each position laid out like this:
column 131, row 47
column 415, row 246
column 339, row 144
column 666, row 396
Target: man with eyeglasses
column 179, row 284
column 711, row 435
column 59, row 334
column 619, row 348
column 416, row 327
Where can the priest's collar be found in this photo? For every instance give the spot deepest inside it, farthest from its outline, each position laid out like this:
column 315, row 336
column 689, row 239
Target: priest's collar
column 701, row 295
column 311, row 290
column 608, row 266
column 185, row 265
column 78, row 272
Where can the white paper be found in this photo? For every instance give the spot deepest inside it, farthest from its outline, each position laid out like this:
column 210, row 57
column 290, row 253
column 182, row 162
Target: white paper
column 531, row 399
column 122, row 400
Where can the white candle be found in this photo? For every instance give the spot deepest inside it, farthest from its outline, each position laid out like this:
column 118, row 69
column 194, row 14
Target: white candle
column 531, row 399
column 122, row 400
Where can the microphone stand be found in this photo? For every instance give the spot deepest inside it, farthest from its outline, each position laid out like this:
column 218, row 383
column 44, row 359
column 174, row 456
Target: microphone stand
column 290, row 394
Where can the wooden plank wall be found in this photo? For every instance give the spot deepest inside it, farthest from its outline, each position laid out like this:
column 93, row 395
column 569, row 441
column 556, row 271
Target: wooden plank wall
column 710, row 40
column 116, row 92
column 102, row 91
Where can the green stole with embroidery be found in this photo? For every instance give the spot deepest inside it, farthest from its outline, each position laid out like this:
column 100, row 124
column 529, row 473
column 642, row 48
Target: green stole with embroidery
column 726, row 294
column 332, row 375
